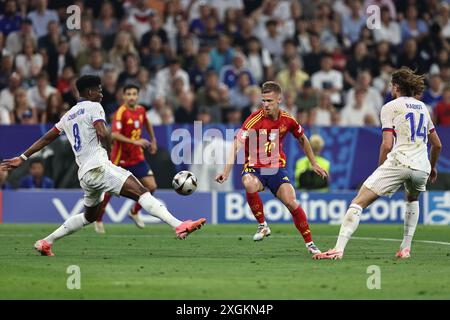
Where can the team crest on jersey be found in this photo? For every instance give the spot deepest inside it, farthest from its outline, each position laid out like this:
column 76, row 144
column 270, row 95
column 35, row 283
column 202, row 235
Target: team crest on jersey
column 272, row 136
column 136, row 124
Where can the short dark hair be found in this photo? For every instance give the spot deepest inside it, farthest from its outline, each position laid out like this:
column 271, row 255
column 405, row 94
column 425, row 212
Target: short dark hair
column 271, row 86
column 88, row 82
column 130, row 86
column 35, row 160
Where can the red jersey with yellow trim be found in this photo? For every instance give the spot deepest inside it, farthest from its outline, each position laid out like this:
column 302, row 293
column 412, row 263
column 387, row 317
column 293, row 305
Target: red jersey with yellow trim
column 263, row 139
column 128, row 122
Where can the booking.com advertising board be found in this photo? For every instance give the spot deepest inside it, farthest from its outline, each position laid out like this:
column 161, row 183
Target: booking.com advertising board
column 55, row 206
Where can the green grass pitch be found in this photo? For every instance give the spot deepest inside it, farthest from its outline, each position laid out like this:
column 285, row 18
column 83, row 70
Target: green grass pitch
column 222, row 262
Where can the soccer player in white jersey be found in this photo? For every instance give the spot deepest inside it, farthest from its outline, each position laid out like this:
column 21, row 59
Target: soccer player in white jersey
column 84, row 125
column 407, row 121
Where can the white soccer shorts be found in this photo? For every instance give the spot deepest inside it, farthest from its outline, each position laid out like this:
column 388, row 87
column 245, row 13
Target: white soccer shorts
column 388, row 178
column 97, row 181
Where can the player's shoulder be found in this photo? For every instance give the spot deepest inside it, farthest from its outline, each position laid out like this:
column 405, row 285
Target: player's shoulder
column 120, row 112
column 286, row 115
column 253, row 118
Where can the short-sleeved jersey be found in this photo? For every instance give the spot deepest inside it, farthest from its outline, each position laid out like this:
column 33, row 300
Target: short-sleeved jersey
column 78, row 125
column 128, row 122
column 410, row 121
column 263, row 139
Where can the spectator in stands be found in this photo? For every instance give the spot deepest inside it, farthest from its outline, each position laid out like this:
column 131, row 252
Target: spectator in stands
column 305, row 177
column 156, row 29
column 209, row 95
column 7, row 94
column 359, row 61
column 433, row 94
column 138, row 14
column 289, row 51
column 442, row 110
column 292, row 78
column 123, row 45
column 352, row 24
column 110, row 102
column 153, row 56
column 329, row 80
column 222, row 54
column 106, row 24
column 210, row 37
column 23, row 112
column 412, row 58
column 79, row 41
column 288, row 103
column 167, row 116
column 41, row 17
column 29, row 63
column 229, row 73
column 96, row 65
column 233, row 116
column 389, row 29
column 59, row 61
column 190, row 51
column 372, row 97
column 239, row 94
column 312, row 59
column 322, row 115
column 358, row 112
column 147, row 90
column 199, row 71
column 155, row 114
column 187, row 111
column 259, row 61
column 14, row 41
column 38, row 94
column 204, row 115
column 273, row 42
column 36, row 178
column 245, row 32
column 130, row 74
column 176, row 90
column 412, row 26
column 10, row 20
column 55, row 109
column 254, row 94
column 165, row 76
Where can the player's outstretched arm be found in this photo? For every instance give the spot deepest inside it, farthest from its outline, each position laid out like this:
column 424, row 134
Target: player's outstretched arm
column 104, row 135
column 386, row 146
column 223, row 176
column 153, row 145
column 46, row 139
column 435, row 150
column 143, row 143
column 306, row 146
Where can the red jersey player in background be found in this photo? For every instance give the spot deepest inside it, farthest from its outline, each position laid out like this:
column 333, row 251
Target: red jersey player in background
column 262, row 135
column 127, row 150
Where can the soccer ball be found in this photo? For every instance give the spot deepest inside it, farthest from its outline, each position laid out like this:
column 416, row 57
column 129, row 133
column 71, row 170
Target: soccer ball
column 184, row 183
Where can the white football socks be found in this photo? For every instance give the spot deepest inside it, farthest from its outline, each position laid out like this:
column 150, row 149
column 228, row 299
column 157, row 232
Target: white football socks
column 157, row 209
column 411, row 219
column 349, row 225
column 71, row 225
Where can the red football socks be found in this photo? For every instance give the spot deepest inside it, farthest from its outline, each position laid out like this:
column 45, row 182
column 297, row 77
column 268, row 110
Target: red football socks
column 256, row 205
column 301, row 223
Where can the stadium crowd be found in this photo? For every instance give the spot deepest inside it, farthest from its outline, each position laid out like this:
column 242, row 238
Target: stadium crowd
column 204, row 60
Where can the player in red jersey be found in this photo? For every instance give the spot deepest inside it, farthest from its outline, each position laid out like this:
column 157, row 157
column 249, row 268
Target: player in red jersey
column 127, row 150
column 262, row 135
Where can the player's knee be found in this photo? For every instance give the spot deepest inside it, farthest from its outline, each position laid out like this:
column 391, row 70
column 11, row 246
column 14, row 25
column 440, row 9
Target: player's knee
column 291, row 204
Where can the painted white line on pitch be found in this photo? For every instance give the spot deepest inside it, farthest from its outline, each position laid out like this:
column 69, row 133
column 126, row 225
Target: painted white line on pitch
column 27, row 235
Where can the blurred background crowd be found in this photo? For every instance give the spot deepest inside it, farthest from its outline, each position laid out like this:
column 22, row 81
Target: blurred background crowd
column 204, row 60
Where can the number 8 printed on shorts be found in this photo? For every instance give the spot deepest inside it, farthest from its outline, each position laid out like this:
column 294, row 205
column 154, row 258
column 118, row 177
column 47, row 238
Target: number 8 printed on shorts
column 76, row 135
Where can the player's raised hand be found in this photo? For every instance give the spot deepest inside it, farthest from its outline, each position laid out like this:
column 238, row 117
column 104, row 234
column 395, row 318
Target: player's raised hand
column 320, row 171
column 433, row 175
column 143, row 143
column 9, row 164
column 221, row 178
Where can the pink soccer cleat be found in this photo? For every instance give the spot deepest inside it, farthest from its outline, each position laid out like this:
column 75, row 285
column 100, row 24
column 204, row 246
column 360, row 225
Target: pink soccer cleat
column 188, row 226
column 44, row 248
column 403, row 253
column 331, row 254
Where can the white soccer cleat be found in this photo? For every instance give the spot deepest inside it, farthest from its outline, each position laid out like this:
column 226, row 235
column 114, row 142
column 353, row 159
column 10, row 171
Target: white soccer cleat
column 331, row 254
column 312, row 248
column 137, row 221
column 263, row 231
column 99, row 228
column 403, row 253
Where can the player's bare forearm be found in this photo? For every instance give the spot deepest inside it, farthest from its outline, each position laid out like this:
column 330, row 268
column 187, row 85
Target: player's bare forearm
column 104, row 136
column 306, row 146
column 45, row 140
column 150, row 131
column 221, row 177
column 121, row 138
column 435, row 150
column 386, row 146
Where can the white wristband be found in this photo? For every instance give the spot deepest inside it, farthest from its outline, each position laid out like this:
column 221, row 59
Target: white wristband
column 24, row 157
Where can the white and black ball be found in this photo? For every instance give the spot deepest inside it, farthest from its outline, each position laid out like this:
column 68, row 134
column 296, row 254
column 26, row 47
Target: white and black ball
column 184, row 183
